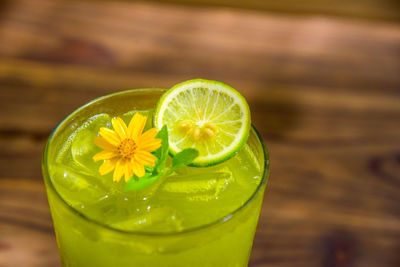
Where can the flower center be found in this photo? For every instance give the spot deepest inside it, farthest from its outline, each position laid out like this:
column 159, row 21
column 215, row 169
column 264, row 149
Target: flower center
column 127, row 148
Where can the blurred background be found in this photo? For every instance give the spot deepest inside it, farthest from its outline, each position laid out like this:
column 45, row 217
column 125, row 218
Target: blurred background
column 322, row 79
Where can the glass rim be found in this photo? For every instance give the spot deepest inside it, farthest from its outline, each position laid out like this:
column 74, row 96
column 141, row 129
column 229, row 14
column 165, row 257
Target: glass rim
column 224, row 218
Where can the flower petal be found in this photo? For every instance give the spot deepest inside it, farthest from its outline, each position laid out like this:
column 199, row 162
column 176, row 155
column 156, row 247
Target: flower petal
column 150, row 145
column 127, row 172
column 145, row 158
column 149, row 134
column 102, row 143
column 137, row 168
column 107, row 167
column 119, row 170
column 119, row 127
column 110, row 136
column 136, row 126
column 104, row 155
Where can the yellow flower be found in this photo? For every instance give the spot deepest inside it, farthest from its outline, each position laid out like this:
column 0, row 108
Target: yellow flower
column 126, row 149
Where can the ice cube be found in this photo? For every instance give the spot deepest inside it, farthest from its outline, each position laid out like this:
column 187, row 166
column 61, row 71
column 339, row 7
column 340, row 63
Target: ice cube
column 118, row 204
column 245, row 167
column 159, row 219
column 82, row 144
column 197, row 186
column 197, row 195
column 78, row 189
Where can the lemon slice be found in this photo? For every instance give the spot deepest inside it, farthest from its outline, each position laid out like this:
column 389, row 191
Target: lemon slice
column 209, row 116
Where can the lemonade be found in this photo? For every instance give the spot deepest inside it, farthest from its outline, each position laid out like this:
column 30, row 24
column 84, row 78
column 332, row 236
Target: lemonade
column 195, row 216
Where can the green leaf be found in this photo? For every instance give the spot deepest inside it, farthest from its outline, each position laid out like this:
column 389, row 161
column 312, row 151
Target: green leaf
column 149, row 168
column 183, row 158
column 142, row 182
column 153, row 174
column 162, row 152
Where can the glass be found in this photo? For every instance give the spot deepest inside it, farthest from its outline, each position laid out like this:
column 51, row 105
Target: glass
column 83, row 242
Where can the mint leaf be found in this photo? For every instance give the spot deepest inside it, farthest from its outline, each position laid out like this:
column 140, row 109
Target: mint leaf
column 149, row 168
column 153, row 174
column 183, row 158
column 162, row 152
column 136, row 183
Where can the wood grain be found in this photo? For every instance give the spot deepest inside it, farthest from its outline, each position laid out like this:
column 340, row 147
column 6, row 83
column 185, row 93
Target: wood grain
column 372, row 9
column 324, row 93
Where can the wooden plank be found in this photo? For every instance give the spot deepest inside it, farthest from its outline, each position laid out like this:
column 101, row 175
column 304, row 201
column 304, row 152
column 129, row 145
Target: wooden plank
column 26, row 233
column 370, row 9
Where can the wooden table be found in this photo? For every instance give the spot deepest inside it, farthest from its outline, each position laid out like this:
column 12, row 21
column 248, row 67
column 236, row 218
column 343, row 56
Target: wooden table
column 324, row 93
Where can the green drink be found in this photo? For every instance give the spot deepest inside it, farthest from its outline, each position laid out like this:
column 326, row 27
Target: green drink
column 194, row 216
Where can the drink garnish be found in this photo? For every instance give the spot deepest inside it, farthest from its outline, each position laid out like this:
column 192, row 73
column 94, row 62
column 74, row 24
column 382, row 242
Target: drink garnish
column 200, row 123
column 139, row 157
column 126, row 149
column 206, row 115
